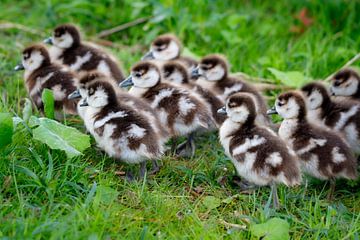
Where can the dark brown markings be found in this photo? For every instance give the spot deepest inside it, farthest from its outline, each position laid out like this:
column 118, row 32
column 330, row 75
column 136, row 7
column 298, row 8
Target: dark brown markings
column 285, row 97
column 249, row 130
column 63, row 78
column 214, row 102
column 70, row 55
column 330, row 111
column 123, row 124
column 305, row 132
column 37, row 47
column 210, row 61
column 343, row 75
column 162, row 41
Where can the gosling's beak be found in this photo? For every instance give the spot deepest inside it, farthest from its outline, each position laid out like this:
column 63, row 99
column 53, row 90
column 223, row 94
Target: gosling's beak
column 195, row 73
column 48, row 41
column 75, row 94
column 84, row 103
column 271, row 111
column 148, row 56
column 19, row 67
column 222, row 111
column 127, row 82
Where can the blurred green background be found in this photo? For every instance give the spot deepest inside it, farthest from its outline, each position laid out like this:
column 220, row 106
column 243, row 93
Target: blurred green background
column 184, row 201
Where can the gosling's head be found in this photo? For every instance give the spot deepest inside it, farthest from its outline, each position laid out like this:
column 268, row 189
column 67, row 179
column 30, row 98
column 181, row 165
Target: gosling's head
column 175, row 72
column 99, row 94
column 315, row 94
column 212, row 67
column 345, row 83
column 65, row 36
column 33, row 58
column 291, row 105
column 144, row 74
column 164, row 48
column 84, row 81
column 240, row 108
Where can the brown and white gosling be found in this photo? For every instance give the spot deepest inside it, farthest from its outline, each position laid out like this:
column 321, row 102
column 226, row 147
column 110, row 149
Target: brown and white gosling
column 181, row 112
column 123, row 97
column 346, row 83
column 339, row 114
column 323, row 154
column 119, row 130
column 168, row 47
column 257, row 153
column 40, row 73
column 213, row 73
column 68, row 49
column 175, row 72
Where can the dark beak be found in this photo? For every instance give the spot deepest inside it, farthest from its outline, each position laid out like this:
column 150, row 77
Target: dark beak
column 127, row 82
column 148, row 56
column 19, row 67
column 271, row 111
column 195, row 73
column 222, row 111
column 84, row 103
column 48, row 41
column 74, row 95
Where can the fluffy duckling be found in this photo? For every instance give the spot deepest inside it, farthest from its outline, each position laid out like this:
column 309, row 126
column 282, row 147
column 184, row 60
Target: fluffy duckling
column 69, row 50
column 323, row 154
column 119, row 130
column 342, row 116
column 168, row 47
column 257, row 153
column 346, row 83
column 175, row 72
column 179, row 110
column 40, row 73
column 123, row 97
column 213, row 71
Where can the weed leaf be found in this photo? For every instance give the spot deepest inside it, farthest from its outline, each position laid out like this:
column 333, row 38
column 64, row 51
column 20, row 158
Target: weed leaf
column 59, row 136
column 6, row 129
column 291, row 79
column 273, row 229
column 105, row 195
column 211, row 202
column 47, row 97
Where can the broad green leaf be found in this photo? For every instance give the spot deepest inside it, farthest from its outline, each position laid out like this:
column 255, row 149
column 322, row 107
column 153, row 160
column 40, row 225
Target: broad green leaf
column 291, row 79
column 211, row 202
column 17, row 120
column 59, row 136
column 273, row 229
column 105, row 195
column 6, row 129
column 34, row 121
column 48, row 100
column 27, row 110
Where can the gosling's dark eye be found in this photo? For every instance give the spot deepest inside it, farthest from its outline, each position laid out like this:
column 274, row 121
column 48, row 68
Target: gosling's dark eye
column 311, row 99
column 280, row 104
column 137, row 74
column 337, row 83
column 161, row 48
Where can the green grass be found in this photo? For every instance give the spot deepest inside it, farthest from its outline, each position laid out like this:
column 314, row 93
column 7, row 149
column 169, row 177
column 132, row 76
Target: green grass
column 85, row 198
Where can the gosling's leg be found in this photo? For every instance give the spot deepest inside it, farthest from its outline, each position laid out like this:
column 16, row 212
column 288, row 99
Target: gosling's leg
column 142, row 171
column 187, row 148
column 155, row 167
column 276, row 204
column 331, row 191
column 129, row 176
